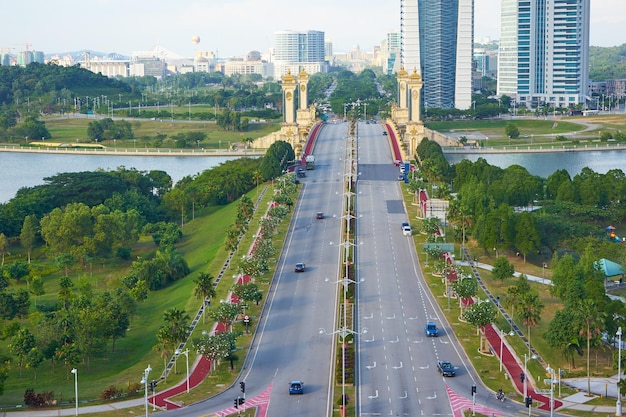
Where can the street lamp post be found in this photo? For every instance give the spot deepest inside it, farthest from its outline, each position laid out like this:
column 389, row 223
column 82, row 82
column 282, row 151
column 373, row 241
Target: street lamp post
column 186, row 353
column 75, row 372
column 618, row 404
column 552, row 376
column 343, row 333
column 502, row 335
column 146, row 372
column 526, row 357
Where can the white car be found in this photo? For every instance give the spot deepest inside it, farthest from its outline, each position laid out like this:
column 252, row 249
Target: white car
column 406, row 230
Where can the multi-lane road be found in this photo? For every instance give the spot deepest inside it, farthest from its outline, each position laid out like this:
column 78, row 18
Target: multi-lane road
column 396, row 362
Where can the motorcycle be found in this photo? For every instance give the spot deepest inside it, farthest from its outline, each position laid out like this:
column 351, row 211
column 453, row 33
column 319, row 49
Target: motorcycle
column 500, row 396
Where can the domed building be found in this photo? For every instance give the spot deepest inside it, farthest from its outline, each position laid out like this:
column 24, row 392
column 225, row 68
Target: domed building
column 253, row 56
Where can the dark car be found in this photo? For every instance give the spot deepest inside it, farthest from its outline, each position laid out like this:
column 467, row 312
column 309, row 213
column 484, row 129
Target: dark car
column 431, row 329
column 299, row 267
column 296, row 387
column 385, row 132
column 319, row 215
column 445, row 368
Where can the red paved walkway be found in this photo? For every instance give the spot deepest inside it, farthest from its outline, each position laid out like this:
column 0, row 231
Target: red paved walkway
column 199, row 370
column 509, row 361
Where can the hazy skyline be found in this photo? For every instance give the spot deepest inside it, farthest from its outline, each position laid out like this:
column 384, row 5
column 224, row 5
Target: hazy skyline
column 234, row 27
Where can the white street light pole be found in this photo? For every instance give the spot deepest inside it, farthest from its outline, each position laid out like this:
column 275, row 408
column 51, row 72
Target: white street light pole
column 75, row 372
column 525, row 377
column 502, row 335
column 186, row 353
column 618, row 404
column 551, row 371
column 146, row 373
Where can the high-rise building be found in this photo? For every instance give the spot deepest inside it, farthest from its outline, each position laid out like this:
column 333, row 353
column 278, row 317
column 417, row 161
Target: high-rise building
column 299, row 50
column 544, row 52
column 292, row 46
column 437, row 42
column 389, row 57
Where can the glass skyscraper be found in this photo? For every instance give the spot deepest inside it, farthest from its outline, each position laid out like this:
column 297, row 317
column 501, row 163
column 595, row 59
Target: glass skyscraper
column 544, row 52
column 437, row 42
column 292, row 46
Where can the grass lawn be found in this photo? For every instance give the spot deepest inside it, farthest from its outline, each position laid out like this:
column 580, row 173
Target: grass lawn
column 536, row 131
column 71, row 130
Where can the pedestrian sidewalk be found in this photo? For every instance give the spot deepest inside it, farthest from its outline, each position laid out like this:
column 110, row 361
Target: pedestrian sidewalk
column 606, row 387
column 515, row 368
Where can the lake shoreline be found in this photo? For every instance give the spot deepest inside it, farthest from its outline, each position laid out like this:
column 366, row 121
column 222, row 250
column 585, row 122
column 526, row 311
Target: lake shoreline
column 535, row 149
column 134, row 151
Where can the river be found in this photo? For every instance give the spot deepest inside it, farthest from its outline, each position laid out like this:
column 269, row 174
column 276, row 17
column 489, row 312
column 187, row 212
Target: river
column 544, row 164
column 18, row 170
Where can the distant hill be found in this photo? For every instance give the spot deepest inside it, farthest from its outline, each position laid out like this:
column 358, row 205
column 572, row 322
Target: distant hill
column 607, row 62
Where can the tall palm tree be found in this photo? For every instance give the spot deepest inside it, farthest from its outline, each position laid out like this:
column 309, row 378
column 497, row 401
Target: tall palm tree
column 530, row 308
column 205, row 289
column 591, row 322
column 177, row 322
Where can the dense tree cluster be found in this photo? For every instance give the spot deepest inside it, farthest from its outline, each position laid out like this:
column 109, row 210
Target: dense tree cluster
column 107, row 129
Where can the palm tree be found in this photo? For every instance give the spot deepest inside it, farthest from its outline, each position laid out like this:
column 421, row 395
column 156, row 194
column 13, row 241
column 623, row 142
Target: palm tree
column 177, row 324
column 205, row 289
column 591, row 322
column 256, row 175
column 530, row 308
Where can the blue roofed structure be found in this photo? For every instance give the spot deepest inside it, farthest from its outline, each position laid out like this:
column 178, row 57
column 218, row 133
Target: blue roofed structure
column 609, row 268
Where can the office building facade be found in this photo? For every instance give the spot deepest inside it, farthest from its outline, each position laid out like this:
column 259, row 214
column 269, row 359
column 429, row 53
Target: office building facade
column 544, row 52
column 295, row 50
column 437, row 42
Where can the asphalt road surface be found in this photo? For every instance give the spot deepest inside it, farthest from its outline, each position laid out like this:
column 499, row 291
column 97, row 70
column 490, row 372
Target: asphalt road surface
column 397, row 373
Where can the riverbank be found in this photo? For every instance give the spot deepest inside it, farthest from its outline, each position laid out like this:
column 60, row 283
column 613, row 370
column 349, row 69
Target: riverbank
column 133, row 151
column 535, row 148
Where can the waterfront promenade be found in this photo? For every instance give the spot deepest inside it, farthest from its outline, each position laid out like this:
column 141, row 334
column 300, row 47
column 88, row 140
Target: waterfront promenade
column 132, row 151
column 587, row 147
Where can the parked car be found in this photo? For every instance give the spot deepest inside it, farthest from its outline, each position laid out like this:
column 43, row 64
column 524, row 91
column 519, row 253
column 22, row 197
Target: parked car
column 406, row 230
column 296, row 387
column 299, row 267
column 431, row 329
column 445, row 368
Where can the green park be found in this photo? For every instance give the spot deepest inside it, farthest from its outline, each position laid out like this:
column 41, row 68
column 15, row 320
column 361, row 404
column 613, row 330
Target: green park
column 102, row 270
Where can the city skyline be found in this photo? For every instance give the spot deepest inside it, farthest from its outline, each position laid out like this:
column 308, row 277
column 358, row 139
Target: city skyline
column 235, row 27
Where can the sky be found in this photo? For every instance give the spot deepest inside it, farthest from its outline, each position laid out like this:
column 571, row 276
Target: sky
column 234, row 27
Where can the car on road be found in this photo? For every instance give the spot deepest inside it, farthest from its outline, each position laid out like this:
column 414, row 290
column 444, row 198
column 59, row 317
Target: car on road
column 300, row 173
column 401, row 177
column 445, row 368
column 431, row 329
column 405, row 224
column 319, row 215
column 299, row 267
column 406, row 230
column 296, row 387
column 384, row 132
